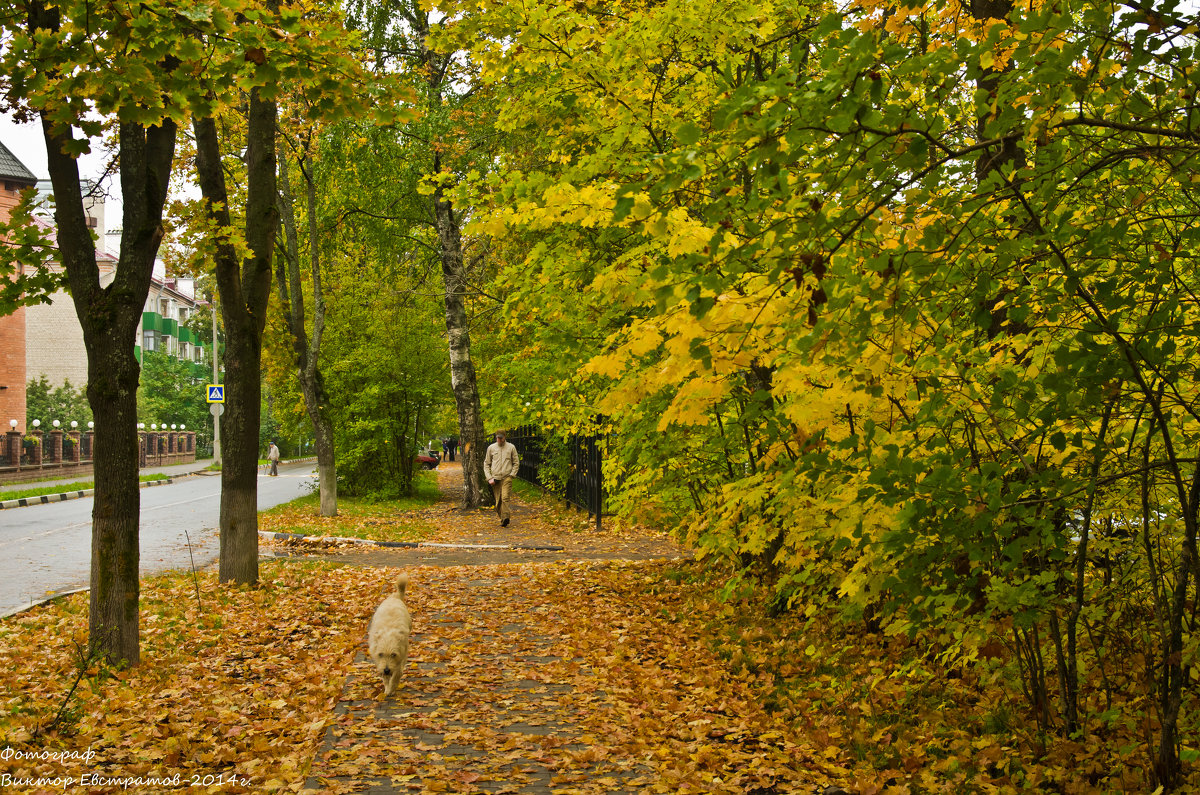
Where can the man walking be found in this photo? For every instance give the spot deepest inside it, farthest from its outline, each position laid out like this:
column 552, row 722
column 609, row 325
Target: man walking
column 500, row 465
column 273, row 457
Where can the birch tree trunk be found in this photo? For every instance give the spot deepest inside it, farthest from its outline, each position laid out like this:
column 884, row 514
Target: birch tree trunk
column 454, row 281
column 462, row 368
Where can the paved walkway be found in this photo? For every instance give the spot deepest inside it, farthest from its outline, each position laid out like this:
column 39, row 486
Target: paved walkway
column 494, row 699
column 175, row 471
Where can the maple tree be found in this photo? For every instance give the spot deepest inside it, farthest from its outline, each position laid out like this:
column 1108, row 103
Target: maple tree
column 244, row 281
column 304, row 47
column 875, row 328
column 62, row 62
column 144, row 69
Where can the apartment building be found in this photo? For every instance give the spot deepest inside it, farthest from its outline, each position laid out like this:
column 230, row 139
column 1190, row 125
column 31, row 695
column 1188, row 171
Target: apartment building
column 46, row 339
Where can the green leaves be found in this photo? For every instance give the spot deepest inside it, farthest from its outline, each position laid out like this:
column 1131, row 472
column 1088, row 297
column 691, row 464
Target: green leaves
column 27, row 273
column 859, row 293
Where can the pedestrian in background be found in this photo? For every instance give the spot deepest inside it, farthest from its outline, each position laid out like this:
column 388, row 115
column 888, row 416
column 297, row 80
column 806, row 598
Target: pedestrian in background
column 273, row 457
column 500, row 465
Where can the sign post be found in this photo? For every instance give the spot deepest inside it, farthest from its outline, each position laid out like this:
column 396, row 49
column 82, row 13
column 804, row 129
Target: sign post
column 216, row 396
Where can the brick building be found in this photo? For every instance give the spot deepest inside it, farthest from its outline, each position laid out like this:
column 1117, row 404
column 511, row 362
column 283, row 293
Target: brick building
column 14, row 178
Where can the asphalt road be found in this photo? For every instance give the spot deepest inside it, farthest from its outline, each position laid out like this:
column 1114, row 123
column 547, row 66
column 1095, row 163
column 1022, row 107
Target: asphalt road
column 47, row 549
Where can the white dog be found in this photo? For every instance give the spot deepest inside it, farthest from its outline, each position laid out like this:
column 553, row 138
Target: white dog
column 387, row 637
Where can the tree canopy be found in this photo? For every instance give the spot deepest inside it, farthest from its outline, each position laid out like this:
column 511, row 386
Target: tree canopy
column 898, row 301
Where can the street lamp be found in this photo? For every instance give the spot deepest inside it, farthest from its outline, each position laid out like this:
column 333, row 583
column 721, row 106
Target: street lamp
column 141, row 426
column 153, row 426
column 74, row 424
column 37, row 423
column 12, row 424
column 172, row 426
column 91, row 424
column 55, row 423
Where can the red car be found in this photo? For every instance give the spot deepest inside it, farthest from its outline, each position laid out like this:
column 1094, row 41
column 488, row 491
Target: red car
column 427, row 460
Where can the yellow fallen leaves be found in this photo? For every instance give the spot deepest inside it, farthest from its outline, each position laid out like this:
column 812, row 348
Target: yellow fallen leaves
column 234, row 693
column 574, row 676
column 560, row 675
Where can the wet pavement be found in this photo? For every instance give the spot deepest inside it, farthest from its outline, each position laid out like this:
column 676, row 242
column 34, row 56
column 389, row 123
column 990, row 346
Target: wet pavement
column 45, row 550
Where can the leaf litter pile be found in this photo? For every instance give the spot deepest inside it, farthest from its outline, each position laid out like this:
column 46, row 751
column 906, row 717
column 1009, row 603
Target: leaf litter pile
column 563, row 676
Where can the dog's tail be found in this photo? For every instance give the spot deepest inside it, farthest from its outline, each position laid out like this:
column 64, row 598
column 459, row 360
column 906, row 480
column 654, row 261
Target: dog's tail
column 401, row 583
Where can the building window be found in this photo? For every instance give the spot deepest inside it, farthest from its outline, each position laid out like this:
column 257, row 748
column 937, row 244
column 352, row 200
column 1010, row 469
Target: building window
column 150, row 340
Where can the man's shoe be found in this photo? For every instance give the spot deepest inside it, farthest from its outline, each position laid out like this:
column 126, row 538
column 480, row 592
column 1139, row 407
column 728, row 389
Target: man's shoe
column 504, row 523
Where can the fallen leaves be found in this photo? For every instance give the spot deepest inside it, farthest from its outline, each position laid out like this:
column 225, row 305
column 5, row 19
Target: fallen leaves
column 531, row 675
column 584, row 675
column 237, row 691
column 540, row 521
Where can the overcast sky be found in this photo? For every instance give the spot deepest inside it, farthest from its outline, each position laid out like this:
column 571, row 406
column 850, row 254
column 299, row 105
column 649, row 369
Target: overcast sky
column 25, row 141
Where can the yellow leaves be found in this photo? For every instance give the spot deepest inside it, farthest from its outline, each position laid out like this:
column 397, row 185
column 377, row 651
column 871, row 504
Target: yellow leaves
column 646, row 338
column 693, row 403
column 200, row 702
column 687, row 237
column 609, row 365
column 589, row 206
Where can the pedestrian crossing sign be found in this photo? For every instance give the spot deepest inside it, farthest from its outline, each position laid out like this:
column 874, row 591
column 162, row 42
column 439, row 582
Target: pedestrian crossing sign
column 216, row 393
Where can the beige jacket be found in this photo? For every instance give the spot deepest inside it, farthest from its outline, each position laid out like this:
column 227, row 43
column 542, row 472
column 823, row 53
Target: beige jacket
column 500, row 462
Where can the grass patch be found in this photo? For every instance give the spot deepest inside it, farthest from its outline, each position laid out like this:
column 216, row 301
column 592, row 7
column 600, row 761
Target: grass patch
column 63, row 488
column 534, row 494
column 358, row 517
column 567, row 517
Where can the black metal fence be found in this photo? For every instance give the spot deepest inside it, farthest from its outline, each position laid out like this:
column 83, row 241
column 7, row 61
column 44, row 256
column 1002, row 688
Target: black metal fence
column 582, row 484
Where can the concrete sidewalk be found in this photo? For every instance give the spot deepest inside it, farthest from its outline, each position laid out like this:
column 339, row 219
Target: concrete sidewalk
column 172, row 472
column 176, row 470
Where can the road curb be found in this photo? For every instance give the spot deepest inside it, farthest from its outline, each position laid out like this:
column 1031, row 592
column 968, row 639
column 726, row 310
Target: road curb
column 267, row 467
column 300, row 538
column 46, row 499
column 47, row 599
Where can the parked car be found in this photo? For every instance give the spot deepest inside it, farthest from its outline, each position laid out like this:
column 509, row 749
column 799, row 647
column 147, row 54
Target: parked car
column 427, row 460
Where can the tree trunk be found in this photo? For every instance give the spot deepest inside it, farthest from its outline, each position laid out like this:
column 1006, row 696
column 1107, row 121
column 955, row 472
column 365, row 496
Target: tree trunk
column 245, row 288
column 462, row 368
column 291, row 298
column 109, row 317
column 472, row 444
